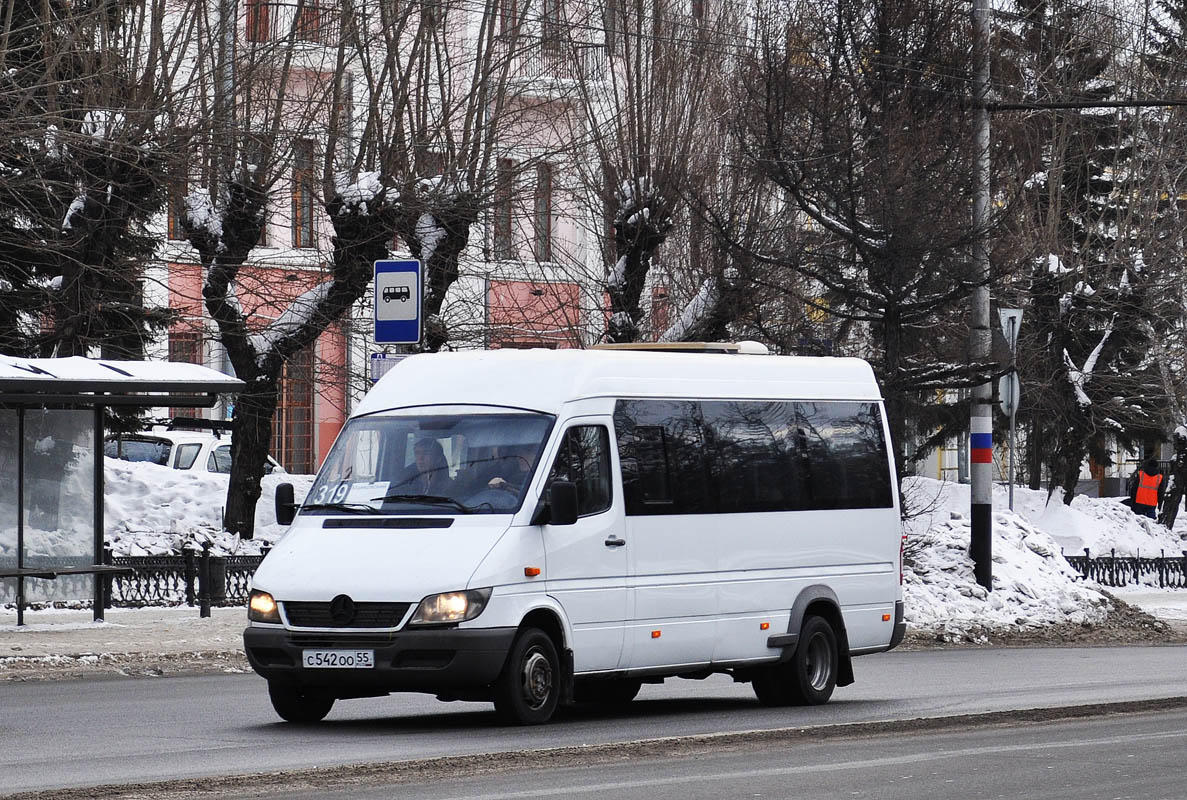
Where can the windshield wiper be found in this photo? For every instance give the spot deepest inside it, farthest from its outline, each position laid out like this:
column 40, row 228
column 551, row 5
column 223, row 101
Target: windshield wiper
column 348, row 508
column 427, row 499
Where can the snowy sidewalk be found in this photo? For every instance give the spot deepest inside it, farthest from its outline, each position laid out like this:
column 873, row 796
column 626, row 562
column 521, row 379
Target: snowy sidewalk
column 154, row 641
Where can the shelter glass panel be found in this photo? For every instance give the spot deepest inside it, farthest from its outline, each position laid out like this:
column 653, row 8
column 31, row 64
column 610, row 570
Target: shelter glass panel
column 8, row 501
column 59, row 500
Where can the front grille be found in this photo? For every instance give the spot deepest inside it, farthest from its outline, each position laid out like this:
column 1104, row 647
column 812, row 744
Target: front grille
column 340, row 641
column 367, row 615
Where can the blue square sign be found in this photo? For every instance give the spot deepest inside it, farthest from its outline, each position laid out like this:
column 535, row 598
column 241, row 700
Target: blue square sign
column 397, row 302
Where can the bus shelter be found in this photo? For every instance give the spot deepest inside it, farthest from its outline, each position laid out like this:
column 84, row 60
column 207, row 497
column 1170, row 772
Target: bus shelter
column 51, row 464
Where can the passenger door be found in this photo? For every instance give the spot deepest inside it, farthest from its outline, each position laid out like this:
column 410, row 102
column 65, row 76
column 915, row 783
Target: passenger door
column 586, row 562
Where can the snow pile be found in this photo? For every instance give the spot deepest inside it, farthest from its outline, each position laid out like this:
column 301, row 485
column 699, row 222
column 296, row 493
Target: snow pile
column 155, row 510
column 1033, row 585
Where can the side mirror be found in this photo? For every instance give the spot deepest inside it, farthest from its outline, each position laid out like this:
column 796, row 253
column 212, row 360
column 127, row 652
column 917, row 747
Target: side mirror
column 562, row 501
column 286, row 506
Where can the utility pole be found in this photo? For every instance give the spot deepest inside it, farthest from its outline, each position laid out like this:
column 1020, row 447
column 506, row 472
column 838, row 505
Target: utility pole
column 981, row 418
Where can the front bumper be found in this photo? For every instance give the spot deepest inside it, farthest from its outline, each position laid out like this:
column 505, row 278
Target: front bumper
column 433, row 660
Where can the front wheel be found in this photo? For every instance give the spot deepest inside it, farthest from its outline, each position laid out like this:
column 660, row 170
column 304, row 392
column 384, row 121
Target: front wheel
column 296, row 705
column 528, row 689
column 811, row 675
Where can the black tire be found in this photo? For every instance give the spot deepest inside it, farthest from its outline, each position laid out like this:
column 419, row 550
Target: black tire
column 527, row 691
column 300, row 706
column 809, row 678
column 616, row 692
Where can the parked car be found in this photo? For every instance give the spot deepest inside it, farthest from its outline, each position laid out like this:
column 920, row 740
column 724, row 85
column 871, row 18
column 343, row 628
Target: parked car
column 174, row 445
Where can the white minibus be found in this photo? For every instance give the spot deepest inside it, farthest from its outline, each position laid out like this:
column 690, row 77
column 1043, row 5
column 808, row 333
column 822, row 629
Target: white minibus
column 539, row 527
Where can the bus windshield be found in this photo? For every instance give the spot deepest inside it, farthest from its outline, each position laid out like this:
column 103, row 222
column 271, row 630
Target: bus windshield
column 433, row 463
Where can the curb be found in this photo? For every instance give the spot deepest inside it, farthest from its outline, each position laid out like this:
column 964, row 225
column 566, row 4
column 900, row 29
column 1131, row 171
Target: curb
column 348, row 775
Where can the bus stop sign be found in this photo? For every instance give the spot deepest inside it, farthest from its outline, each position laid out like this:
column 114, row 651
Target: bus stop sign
column 397, row 302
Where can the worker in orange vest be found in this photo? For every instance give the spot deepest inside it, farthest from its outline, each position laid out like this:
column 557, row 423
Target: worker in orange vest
column 1150, row 486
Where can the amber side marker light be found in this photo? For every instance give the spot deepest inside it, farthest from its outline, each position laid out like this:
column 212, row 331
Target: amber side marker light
column 764, row 626
column 655, row 634
column 531, row 572
column 886, row 618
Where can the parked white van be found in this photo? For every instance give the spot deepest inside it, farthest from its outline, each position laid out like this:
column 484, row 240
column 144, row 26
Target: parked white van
column 535, row 527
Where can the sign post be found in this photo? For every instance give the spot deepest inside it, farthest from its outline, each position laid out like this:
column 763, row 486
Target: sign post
column 398, row 297
column 1009, row 387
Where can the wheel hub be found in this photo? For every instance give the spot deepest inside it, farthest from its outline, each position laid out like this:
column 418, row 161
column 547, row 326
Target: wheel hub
column 818, row 662
column 537, row 679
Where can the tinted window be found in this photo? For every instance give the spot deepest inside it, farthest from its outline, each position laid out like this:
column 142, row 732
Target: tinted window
column 683, row 457
column 220, row 459
column 155, row 451
column 844, row 455
column 751, row 453
column 662, row 450
column 584, row 459
column 186, row 455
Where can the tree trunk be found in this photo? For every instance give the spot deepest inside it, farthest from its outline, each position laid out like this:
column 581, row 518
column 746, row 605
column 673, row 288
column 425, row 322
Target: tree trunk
column 1174, row 495
column 1034, row 456
column 252, row 417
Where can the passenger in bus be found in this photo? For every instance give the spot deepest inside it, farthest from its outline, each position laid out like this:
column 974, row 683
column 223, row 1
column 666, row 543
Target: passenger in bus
column 429, row 473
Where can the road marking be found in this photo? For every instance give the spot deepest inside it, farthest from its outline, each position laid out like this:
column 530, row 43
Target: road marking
column 554, row 790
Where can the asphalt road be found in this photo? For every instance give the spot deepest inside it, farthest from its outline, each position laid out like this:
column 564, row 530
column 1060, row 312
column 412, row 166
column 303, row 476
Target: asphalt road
column 1134, row 756
column 121, row 730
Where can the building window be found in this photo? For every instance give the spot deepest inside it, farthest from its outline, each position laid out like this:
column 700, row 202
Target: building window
column 307, row 27
column 543, row 224
column 508, row 13
column 176, row 209
column 661, row 311
column 185, row 347
column 504, row 201
column 258, row 20
column 614, row 21
column 292, row 428
column 552, row 23
column 303, row 194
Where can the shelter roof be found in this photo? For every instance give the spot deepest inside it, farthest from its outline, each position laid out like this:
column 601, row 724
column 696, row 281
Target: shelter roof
column 101, row 381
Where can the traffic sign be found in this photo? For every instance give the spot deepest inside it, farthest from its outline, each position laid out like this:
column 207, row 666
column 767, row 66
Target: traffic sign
column 1009, row 390
column 1011, row 319
column 398, row 298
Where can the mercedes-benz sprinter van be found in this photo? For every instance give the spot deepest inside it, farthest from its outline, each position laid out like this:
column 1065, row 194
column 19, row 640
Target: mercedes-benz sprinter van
column 535, row 527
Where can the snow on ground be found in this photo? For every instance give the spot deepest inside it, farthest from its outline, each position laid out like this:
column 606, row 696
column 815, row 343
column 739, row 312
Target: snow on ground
column 155, row 510
column 1033, row 585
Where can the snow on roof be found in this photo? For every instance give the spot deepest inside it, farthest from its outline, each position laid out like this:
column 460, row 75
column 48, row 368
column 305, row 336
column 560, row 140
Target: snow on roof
column 77, row 374
column 544, row 380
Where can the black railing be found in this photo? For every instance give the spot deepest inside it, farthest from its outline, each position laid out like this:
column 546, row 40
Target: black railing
column 192, row 578
column 1114, row 570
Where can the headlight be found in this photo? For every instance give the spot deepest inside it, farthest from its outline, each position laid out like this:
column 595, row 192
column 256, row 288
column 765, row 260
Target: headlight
column 446, row 607
column 262, row 608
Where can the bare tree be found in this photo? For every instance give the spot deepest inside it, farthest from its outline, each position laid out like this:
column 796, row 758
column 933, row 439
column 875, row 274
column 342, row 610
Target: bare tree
column 404, row 117
column 648, row 124
column 85, row 159
column 859, row 115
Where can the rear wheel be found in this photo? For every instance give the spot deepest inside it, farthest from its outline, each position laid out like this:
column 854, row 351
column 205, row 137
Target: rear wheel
column 614, row 692
column 297, row 705
column 809, row 678
column 528, row 689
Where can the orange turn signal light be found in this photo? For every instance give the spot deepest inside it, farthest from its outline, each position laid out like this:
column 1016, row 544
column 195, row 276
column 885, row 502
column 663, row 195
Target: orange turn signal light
column 655, row 634
column 531, row 572
column 886, row 618
column 762, row 626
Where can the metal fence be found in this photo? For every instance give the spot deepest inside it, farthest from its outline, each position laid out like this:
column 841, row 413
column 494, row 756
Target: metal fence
column 1114, row 570
column 192, row 578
